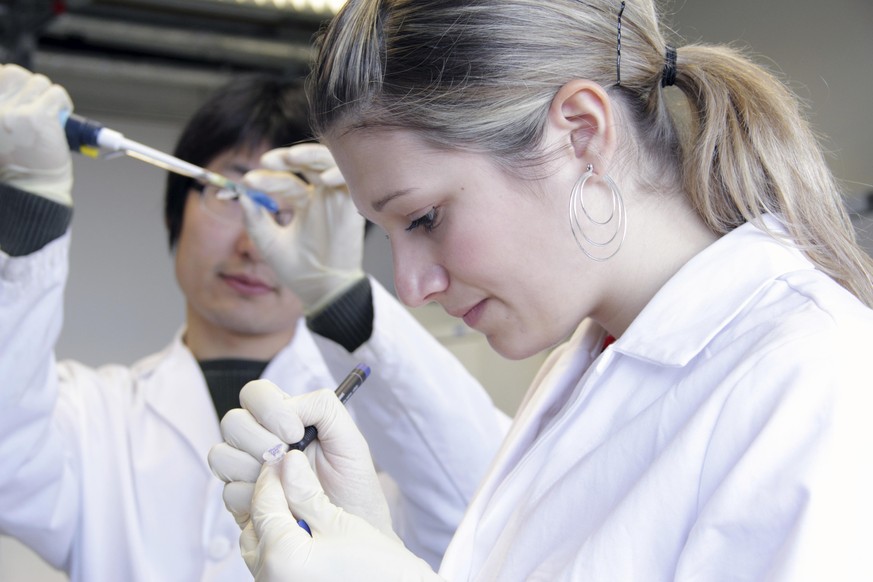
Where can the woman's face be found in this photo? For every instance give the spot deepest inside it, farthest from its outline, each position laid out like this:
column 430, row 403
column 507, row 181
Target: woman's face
column 490, row 248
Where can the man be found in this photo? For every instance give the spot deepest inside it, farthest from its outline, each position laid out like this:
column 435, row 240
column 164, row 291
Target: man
column 103, row 471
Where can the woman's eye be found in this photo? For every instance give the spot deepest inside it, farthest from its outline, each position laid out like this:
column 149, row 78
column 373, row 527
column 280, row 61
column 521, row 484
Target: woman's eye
column 428, row 221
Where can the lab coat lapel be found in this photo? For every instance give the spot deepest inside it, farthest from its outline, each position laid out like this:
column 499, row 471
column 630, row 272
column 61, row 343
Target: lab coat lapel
column 549, row 392
column 554, row 384
column 176, row 391
column 299, row 367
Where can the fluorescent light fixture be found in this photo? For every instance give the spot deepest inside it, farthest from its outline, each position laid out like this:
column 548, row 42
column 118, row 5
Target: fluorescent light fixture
column 316, row 6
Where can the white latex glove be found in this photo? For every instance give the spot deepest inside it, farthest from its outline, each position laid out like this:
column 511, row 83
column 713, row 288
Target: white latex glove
column 342, row 546
column 34, row 155
column 340, row 454
column 318, row 255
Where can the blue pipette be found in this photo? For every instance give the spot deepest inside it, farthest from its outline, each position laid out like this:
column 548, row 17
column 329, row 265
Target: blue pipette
column 88, row 137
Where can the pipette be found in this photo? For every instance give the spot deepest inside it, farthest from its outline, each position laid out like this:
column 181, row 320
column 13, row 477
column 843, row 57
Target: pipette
column 88, row 137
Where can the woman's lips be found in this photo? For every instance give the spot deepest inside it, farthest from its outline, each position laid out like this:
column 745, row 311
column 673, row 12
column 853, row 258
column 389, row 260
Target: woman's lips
column 472, row 317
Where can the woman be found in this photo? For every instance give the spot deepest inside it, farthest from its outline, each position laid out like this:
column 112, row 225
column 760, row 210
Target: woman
column 706, row 418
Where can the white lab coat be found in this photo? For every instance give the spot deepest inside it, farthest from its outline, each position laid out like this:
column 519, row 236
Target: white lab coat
column 727, row 435
column 103, row 471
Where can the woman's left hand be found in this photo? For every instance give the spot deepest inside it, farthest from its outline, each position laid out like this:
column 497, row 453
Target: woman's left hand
column 340, row 454
column 341, row 547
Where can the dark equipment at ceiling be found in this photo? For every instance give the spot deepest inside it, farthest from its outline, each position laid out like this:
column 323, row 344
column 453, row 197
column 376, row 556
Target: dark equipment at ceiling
column 154, row 57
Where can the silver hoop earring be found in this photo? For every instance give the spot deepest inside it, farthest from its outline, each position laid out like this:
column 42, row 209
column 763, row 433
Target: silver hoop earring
column 605, row 237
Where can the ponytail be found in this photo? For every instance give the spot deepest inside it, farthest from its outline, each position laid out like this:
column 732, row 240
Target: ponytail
column 751, row 152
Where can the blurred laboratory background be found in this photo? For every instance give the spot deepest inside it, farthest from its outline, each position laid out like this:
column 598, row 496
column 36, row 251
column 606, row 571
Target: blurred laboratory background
column 142, row 67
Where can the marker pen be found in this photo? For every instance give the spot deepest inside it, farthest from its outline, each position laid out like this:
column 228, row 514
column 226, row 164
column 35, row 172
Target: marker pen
column 344, row 391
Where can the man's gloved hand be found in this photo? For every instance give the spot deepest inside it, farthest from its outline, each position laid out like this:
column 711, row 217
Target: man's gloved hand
column 340, row 454
column 342, row 546
column 34, row 155
column 318, row 255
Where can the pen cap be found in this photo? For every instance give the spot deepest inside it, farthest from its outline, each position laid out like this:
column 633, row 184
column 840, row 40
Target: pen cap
column 355, row 378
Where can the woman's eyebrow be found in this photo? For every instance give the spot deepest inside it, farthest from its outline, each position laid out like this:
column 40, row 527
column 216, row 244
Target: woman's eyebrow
column 379, row 204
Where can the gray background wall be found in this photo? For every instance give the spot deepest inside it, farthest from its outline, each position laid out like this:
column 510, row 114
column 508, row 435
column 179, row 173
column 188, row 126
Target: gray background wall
column 123, row 303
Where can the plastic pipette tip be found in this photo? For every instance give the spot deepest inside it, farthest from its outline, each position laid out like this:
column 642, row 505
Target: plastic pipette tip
column 263, row 200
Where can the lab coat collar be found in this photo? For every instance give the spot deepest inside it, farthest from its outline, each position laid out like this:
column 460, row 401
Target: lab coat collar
column 707, row 293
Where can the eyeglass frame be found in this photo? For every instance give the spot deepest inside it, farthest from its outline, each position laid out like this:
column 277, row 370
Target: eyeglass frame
column 283, row 216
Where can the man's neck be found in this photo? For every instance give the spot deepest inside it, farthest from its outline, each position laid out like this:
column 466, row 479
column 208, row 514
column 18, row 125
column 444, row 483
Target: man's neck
column 210, row 343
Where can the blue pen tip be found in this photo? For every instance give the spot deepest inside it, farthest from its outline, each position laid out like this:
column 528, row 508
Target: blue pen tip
column 364, row 369
column 305, row 526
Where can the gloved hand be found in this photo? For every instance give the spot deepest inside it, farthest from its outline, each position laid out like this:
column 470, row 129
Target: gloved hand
column 34, row 155
column 340, row 454
column 318, row 255
column 342, row 546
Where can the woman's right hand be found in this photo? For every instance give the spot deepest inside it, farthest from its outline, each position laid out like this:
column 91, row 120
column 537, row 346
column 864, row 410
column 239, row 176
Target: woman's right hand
column 340, row 456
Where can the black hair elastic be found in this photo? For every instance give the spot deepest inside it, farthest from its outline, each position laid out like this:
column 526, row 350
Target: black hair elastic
column 618, row 48
column 668, row 77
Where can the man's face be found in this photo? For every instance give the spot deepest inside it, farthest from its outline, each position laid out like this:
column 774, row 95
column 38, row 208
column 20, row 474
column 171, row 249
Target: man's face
column 231, row 293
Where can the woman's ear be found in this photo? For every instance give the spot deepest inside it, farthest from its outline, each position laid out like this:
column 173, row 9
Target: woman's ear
column 581, row 112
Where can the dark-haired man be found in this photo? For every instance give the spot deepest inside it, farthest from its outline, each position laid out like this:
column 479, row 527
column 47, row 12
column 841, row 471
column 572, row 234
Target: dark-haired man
column 103, row 471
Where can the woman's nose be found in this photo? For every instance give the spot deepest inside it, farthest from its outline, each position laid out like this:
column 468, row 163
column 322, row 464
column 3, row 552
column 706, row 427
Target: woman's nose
column 418, row 278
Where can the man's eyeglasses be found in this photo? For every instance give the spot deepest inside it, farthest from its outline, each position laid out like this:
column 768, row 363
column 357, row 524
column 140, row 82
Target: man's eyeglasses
column 224, row 205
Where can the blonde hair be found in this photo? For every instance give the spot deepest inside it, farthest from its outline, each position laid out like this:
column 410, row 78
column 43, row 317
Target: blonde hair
column 481, row 74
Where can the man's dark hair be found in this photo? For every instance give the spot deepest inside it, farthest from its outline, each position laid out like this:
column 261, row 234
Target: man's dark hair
column 253, row 110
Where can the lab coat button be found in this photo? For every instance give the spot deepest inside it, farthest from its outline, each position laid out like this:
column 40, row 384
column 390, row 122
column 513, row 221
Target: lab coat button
column 218, row 548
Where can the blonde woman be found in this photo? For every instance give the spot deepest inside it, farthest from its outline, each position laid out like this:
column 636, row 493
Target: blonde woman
column 707, row 419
